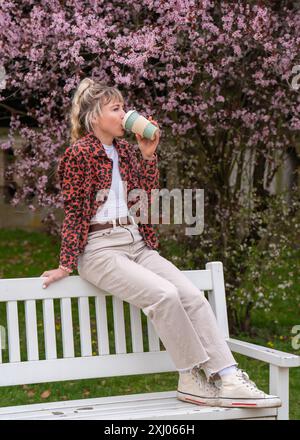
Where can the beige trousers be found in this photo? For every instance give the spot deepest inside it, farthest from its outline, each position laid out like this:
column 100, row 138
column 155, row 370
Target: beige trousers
column 118, row 261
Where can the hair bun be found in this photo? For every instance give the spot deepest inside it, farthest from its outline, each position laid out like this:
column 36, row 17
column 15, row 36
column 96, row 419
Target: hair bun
column 90, row 83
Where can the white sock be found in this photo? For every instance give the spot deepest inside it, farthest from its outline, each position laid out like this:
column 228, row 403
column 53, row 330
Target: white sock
column 227, row 370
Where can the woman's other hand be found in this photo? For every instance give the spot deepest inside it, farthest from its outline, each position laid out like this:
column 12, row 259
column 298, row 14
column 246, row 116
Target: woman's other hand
column 53, row 275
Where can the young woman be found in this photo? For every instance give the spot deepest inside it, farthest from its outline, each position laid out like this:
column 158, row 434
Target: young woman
column 101, row 238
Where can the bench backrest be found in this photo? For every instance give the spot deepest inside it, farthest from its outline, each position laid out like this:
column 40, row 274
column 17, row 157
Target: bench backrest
column 41, row 345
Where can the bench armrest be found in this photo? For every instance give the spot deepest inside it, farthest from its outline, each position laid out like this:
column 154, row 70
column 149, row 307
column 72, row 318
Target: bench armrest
column 269, row 355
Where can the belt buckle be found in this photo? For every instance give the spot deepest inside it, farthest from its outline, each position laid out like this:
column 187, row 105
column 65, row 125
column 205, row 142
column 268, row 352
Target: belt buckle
column 121, row 224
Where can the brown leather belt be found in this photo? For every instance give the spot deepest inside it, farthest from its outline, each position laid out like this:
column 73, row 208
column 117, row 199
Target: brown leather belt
column 99, row 226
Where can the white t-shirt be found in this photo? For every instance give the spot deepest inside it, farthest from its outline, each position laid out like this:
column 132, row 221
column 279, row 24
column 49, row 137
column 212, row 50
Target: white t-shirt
column 115, row 205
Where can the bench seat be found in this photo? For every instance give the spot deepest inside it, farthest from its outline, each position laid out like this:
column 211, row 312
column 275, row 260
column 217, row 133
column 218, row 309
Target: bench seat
column 147, row 406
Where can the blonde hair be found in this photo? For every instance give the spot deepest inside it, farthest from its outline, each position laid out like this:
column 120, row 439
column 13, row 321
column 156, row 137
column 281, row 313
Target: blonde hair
column 87, row 103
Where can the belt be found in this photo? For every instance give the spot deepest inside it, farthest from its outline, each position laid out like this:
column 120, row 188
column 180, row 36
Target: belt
column 112, row 223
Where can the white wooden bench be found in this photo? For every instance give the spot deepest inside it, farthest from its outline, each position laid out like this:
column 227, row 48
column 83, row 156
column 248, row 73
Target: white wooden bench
column 87, row 364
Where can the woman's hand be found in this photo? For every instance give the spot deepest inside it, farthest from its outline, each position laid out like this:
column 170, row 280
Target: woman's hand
column 147, row 146
column 53, row 275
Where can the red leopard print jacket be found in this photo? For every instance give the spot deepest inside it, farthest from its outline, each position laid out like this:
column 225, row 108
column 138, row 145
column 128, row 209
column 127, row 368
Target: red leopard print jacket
column 83, row 170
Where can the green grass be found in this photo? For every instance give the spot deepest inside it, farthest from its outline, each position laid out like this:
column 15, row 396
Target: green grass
column 29, row 254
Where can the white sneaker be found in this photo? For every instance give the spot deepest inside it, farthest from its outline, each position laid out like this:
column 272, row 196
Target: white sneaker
column 193, row 387
column 237, row 390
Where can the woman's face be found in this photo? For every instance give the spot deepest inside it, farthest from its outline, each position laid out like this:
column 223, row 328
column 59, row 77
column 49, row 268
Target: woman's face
column 110, row 122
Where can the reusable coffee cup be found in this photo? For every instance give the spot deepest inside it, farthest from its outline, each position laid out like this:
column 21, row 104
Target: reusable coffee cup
column 136, row 123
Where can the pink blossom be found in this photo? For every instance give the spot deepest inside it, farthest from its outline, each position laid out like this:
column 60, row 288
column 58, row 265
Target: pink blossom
column 178, row 59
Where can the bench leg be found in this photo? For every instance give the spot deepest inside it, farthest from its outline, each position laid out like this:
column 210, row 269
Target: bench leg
column 279, row 385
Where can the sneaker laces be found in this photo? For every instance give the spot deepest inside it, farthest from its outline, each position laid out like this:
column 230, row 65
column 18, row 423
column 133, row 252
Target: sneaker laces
column 246, row 380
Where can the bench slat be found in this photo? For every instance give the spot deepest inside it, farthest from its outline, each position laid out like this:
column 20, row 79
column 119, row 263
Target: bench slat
column 136, row 329
column 217, row 296
column 201, row 278
column 87, row 402
column 119, row 325
column 13, row 331
column 85, row 326
column 31, row 331
column 153, row 338
column 102, row 328
column 89, row 367
column 67, row 327
column 49, row 329
column 12, row 289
